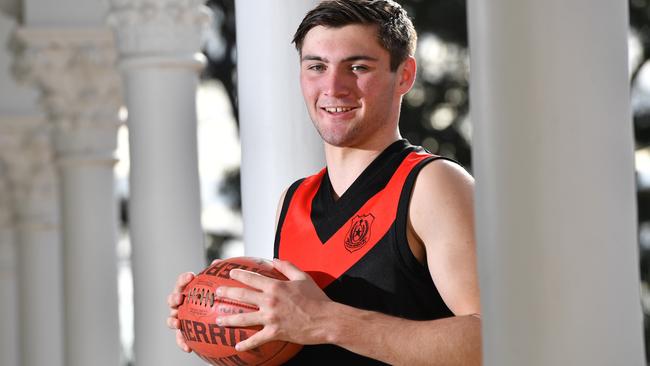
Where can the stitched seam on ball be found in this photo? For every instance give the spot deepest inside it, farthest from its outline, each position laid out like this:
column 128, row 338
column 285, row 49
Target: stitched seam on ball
column 236, row 303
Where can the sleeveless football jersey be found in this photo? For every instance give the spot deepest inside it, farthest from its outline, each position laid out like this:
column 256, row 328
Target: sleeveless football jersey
column 355, row 248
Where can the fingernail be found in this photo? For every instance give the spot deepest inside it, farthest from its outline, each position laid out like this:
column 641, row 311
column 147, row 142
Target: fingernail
column 219, row 321
column 237, row 347
column 219, row 291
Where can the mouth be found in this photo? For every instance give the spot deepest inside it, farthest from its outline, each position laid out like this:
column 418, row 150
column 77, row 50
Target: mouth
column 336, row 110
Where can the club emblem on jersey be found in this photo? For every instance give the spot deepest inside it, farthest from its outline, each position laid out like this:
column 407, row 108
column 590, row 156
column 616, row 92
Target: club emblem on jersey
column 359, row 232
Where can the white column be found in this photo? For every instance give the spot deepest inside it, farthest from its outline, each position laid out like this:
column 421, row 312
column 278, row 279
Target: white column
column 279, row 143
column 30, row 186
column 556, row 214
column 31, row 177
column 74, row 68
column 9, row 339
column 158, row 42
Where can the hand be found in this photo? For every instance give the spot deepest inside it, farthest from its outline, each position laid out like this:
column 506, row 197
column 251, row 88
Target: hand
column 293, row 310
column 174, row 300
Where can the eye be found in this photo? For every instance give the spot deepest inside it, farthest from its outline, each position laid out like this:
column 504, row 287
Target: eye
column 316, row 67
column 357, row 68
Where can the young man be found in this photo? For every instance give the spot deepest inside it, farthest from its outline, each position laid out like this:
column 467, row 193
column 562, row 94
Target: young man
column 383, row 236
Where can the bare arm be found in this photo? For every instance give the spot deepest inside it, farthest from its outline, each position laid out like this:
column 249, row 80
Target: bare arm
column 279, row 209
column 441, row 234
column 449, row 341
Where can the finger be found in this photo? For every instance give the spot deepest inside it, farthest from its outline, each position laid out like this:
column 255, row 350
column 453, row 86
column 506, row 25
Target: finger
column 258, row 339
column 173, row 323
column 240, row 294
column 240, row 320
column 174, row 300
column 180, row 341
column 182, row 281
column 215, row 261
column 251, row 279
column 289, row 270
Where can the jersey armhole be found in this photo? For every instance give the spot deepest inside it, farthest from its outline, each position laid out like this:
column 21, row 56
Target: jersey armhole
column 283, row 213
column 403, row 249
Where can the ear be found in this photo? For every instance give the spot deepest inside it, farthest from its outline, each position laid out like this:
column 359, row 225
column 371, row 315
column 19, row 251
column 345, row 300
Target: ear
column 406, row 75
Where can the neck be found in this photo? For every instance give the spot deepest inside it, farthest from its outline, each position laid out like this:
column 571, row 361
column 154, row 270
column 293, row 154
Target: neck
column 345, row 164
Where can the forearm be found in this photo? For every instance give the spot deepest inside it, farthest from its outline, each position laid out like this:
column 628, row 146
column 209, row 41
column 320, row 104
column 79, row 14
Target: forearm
column 449, row 341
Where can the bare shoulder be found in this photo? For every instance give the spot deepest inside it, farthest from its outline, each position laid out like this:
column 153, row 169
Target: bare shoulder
column 441, row 189
column 443, row 176
column 279, row 208
column 441, row 216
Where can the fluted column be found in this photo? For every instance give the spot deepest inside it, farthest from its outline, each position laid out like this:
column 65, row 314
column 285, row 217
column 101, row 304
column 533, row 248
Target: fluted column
column 74, row 69
column 556, row 213
column 279, row 143
column 27, row 153
column 159, row 41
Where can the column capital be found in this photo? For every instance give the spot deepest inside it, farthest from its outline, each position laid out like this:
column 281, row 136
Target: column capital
column 169, row 28
column 27, row 164
column 74, row 68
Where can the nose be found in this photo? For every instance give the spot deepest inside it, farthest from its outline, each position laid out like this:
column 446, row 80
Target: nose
column 337, row 84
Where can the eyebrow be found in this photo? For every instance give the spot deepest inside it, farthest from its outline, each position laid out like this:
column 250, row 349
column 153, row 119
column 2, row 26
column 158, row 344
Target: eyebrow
column 347, row 59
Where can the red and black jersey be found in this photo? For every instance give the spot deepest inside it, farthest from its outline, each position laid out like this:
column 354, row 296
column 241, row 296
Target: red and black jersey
column 356, row 249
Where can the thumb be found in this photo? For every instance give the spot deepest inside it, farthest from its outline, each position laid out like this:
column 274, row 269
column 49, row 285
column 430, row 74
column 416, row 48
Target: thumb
column 289, row 270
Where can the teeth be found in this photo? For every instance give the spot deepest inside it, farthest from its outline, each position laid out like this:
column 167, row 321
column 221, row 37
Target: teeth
column 337, row 109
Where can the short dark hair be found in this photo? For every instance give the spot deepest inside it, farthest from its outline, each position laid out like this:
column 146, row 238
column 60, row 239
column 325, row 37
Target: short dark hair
column 395, row 30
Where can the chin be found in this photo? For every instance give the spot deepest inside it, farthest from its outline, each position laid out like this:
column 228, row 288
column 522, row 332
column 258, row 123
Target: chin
column 340, row 134
column 340, row 141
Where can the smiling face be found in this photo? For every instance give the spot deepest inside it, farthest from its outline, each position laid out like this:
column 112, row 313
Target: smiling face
column 352, row 96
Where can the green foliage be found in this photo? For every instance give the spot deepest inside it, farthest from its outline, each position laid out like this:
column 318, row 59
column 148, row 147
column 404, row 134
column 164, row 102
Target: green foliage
column 435, row 113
